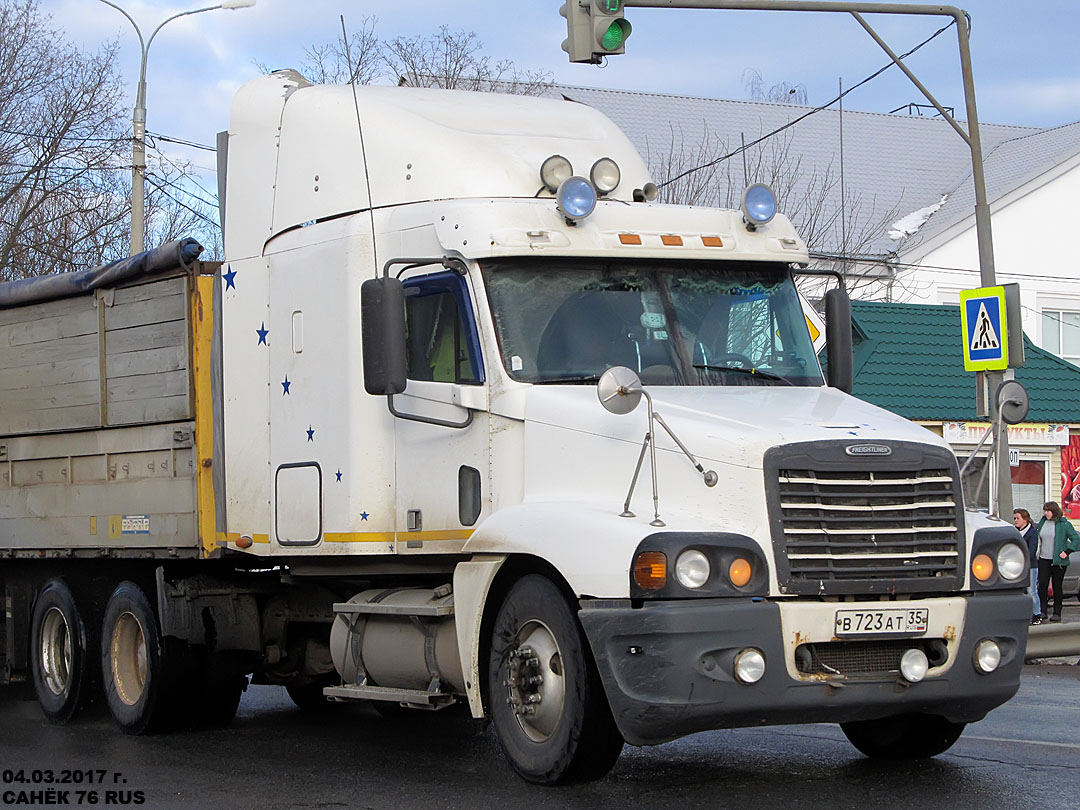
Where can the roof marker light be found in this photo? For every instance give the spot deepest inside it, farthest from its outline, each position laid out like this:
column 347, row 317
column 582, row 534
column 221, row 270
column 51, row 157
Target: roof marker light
column 629, row 238
column 576, row 199
column 553, row 171
column 758, row 206
column 671, row 239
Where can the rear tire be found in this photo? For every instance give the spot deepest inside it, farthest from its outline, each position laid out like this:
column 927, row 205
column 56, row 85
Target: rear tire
column 544, row 693
column 132, row 663
column 60, row 657
column 308, row 696
column 904, row 737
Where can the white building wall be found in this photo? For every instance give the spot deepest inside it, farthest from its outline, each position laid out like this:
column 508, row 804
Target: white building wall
column 1035, row 235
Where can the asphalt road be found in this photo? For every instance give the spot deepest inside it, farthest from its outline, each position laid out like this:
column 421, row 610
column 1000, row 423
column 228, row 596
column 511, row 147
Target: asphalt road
column 1023, row 755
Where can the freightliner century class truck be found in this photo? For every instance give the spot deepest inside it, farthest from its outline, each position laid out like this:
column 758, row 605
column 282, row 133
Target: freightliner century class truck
column 466, row 417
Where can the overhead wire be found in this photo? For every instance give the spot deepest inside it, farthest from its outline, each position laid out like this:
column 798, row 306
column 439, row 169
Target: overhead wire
column 807, row 114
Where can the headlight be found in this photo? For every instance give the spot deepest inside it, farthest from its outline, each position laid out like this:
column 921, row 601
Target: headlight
column 1010, row 561
column 577, row 198
column 758, row 205
column 692, row 569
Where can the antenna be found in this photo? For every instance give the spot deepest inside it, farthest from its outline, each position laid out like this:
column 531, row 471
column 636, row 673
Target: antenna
column 745, row 173
column 843, row 195
column 363, row 152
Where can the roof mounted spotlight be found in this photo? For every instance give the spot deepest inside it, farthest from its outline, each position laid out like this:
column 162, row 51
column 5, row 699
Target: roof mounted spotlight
column 605, row 176
column 758, row 206
column 576, row 199
column 553, row 171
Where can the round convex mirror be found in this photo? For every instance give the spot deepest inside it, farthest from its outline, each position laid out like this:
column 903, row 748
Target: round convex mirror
column 1013, row 402
column 619, row 390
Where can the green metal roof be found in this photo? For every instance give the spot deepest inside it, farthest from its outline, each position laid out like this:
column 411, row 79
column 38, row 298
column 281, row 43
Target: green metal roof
column 909, row 359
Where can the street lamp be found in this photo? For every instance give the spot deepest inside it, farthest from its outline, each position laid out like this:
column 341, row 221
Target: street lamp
column 138, row 120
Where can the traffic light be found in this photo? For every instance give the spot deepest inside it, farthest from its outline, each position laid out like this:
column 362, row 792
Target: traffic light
column 595, row 29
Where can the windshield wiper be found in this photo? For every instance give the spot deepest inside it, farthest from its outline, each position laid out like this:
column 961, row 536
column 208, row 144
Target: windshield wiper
column 570, row 379
column 757, row 372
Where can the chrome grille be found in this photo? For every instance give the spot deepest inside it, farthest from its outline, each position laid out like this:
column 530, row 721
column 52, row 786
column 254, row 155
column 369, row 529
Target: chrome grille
column 864, row 525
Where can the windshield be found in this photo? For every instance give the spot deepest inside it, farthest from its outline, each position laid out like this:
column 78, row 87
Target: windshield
column 562, row 320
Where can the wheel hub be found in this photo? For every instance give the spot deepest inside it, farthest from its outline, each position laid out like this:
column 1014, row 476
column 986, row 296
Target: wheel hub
column 56, row 651
column 535, row 684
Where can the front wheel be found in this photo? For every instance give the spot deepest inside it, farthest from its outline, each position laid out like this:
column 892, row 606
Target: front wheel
column 906, row 736
column 544, row 693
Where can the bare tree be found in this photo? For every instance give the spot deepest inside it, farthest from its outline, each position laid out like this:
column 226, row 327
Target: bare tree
column 780, row 93
column 60, row 134
column 708, row 171
column 453, row 60
column 334, row 63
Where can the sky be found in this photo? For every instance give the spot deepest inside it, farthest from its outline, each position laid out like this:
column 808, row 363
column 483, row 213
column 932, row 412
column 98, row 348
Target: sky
column 1023, row 53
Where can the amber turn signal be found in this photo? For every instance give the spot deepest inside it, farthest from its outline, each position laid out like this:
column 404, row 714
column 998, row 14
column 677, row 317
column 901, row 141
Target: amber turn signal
column 982, row 567
column 739, row 572
column 650, row 570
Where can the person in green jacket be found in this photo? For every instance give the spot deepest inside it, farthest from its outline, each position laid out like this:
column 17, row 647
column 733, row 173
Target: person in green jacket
column 1057, row 538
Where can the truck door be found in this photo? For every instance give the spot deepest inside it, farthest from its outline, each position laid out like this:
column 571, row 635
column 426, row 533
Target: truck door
column 441, row 429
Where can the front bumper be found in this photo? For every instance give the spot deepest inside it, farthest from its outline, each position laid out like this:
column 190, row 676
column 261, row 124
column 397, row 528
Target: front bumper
column 667, row 667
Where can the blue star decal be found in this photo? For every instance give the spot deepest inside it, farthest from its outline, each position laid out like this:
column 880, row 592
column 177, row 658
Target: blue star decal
column 310, row 433
column 262, row 332
column 230, row 279
column 363, row 515
column 285, row 385
column 338, row 476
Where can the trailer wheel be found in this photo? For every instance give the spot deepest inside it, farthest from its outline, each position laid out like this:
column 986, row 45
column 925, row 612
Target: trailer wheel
column 906, row 736
column 544, row 693
column 60, row 659
column 132, row 661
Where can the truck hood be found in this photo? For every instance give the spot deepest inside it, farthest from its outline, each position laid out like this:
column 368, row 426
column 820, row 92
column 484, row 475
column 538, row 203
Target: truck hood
column 727, row 425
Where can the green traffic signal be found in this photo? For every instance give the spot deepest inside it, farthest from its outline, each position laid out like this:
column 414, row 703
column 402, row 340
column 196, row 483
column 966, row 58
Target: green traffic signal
column 615, row 34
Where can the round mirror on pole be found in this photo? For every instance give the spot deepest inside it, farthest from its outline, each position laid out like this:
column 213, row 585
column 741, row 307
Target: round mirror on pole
column 1013, row 402
column 619, row 390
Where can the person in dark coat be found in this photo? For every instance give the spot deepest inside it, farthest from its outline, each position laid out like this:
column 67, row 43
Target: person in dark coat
column 1057, row 538
column 1022, row 522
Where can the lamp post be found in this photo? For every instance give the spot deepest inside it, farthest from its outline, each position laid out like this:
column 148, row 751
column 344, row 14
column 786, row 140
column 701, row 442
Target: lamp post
column 138, row 120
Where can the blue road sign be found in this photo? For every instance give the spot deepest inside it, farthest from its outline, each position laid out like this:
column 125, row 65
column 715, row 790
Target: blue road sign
column 986, row 342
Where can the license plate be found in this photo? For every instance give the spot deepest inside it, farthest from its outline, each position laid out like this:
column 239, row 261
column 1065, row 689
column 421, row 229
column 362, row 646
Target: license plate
column 908, row 622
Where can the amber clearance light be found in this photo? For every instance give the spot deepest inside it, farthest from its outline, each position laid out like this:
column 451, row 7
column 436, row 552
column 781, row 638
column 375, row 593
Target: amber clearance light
column 739, row 572
column 982, row 567
column 650, row 570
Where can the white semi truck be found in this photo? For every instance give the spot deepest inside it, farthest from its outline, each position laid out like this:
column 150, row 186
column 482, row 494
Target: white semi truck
column 393, row 450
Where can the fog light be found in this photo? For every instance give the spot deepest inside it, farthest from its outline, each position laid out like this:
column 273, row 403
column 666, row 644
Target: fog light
column 692, row 569
column 913, row 665
column 987, row 656
column 576, row 198
column 749, row 665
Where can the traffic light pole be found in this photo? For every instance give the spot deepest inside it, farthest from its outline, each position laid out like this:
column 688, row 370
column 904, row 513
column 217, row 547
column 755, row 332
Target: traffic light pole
column 1002, row 503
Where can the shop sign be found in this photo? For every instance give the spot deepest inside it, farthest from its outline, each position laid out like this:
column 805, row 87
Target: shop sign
column 1026, row 433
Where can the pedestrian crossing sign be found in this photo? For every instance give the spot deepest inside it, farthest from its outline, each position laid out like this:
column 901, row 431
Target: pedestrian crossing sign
column 986, row 342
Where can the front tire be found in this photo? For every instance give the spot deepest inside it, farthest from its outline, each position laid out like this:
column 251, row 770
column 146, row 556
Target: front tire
column 544, row 693
column 60, row 657
column 904, row 737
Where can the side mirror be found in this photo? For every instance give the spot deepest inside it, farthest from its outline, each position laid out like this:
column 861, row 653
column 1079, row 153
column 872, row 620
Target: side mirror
column 382, row 335
column 838, row 349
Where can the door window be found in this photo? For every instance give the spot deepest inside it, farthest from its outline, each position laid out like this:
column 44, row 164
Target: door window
column 442, row 341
